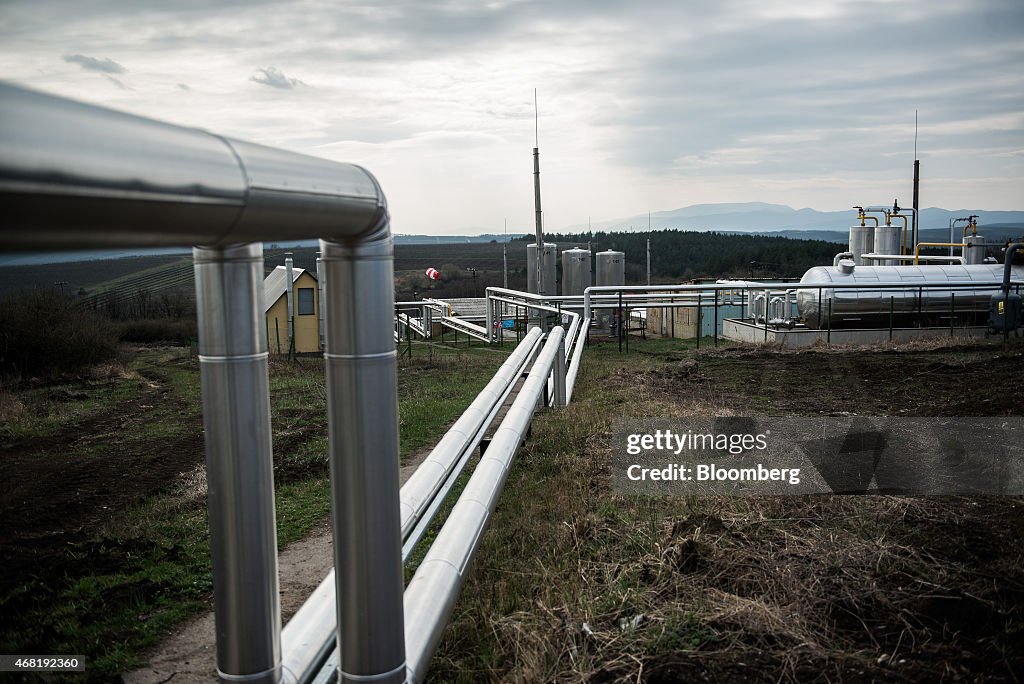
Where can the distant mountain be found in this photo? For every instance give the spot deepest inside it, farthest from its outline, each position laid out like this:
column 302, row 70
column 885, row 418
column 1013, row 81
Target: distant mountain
column 993, row 232
column 759, row 217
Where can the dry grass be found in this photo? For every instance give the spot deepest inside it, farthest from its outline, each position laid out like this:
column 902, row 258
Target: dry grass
column 12, row 409
column 575, row 584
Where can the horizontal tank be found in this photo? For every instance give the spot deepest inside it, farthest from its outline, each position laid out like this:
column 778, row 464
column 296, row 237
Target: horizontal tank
column 550, row 255
column 576, row 274
column 856, row 308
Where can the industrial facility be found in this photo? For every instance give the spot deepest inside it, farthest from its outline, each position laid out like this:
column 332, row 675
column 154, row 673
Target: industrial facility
column 225, row 197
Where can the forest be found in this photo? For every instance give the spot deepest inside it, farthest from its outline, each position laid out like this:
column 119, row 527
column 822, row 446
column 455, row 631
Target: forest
column 685, row 255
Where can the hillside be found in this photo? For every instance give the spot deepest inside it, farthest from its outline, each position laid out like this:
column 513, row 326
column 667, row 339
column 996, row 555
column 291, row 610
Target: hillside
column 118, row 284
column 769, row 218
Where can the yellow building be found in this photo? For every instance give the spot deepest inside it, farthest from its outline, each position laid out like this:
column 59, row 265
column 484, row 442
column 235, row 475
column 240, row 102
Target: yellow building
column 679, row 321
column 307, row 309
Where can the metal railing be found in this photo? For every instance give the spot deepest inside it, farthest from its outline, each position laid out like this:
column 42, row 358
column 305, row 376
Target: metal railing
column 78, row 176
column 431, row 595
column 312, row 629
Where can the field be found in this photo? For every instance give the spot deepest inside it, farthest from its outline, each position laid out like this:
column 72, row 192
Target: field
column 103, row 534
column 575, row 584
column 467, row 268
column 103, row 529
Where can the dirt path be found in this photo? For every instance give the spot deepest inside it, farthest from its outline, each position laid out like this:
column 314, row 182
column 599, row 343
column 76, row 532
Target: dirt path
column 189, row 655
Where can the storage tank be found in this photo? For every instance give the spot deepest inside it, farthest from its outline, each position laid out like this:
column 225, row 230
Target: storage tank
column 861, row 242
column 856, row 308
column 550, row 265
column 887, row 241
column 576, row 274
column 611, row 268
column 974, row 252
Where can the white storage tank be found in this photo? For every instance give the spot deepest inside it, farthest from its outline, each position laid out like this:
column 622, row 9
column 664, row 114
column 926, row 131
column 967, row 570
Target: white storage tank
column 974, row 252
column 887, row 241
column 576, row 273
column 611, row 268
column 550, row 265
column 862, row 308
column 861, row 242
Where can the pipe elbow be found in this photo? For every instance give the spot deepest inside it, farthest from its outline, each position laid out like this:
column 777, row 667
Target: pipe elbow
column 379, row 227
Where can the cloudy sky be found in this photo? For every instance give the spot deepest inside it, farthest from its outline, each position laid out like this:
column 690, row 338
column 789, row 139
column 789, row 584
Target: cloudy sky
column 643, row 105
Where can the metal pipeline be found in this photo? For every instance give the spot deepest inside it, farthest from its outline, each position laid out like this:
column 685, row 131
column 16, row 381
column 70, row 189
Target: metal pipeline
column 864, row 217
column 239, row 460
column 1008, row 264
column 78, row 176
column 919, row 245
column 894, row 212
column 419, row 490
column 839, row 257
column 431, row 595
column 574, row 362
column 310, row 636
column 910, row 257
column 320, row 298
column 290, row 302
column 903, row 244
column 362, row 407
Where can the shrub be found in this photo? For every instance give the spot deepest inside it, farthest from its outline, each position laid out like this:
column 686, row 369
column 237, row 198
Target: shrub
column 167, row 330
column 43, row 333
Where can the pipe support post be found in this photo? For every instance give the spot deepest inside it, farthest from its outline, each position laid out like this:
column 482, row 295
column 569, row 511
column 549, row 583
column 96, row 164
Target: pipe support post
column 362, row 404
column 239, row 461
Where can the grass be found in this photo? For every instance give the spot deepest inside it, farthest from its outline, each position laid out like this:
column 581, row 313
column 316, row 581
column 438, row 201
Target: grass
column 573, row 583
column 124, row 579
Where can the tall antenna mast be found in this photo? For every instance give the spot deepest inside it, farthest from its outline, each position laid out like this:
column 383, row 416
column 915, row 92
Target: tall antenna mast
column 504, row 258
column 536, row 197
column 917, row 191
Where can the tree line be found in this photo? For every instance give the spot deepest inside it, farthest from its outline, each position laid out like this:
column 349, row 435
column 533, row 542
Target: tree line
column 686, row 255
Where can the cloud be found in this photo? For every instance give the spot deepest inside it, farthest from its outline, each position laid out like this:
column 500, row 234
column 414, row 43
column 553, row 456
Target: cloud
column 669, row 103
column 104, row 66
column 275, row 78
column 116, row 82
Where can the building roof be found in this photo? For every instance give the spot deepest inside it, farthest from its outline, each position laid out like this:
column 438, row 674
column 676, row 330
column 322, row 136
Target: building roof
column 276, row 284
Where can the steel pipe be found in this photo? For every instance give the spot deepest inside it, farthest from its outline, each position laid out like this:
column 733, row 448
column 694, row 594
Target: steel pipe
column 434, row 589
column 309, row 637
column 910, row 257
column 289, row 273
column 574, row 363
column 425, row 516
column 320, row 299
column 558, row 399
column 77, row 176
column 362, row 406
column 839, row 257
column 239, row 461
column 420, row 488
